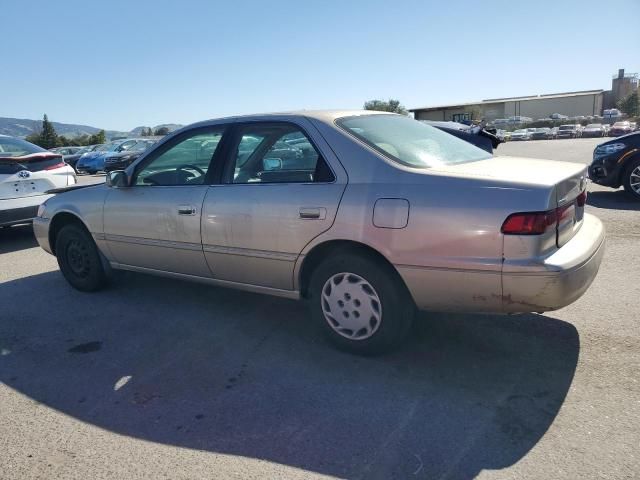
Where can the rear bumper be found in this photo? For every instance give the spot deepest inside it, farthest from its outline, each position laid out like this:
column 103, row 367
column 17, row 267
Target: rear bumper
column 558, row 280
column 20, row 210
column 536, row 285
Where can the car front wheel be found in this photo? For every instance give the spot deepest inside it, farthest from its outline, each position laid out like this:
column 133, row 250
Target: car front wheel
column 632, row 179
column 79, row 259
column 360, row 303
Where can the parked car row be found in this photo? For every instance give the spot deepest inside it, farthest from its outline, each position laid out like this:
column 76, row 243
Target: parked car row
column 116, row 152
column 104, row 157
column 570, row 131
column 71, row 155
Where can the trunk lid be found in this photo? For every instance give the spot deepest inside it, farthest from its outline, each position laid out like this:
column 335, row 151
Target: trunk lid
column 28, row 175
column 566, row 182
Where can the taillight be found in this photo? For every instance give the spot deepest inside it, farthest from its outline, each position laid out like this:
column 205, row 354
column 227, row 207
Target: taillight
column 582, row 199
column 57, row 165
column 529, row 223
column 536, row 223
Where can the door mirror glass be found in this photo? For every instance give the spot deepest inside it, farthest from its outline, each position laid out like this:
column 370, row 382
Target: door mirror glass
column 117, row 179
column 272, row 164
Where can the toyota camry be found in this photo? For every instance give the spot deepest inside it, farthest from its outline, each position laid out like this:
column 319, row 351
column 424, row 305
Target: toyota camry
column 367, row 216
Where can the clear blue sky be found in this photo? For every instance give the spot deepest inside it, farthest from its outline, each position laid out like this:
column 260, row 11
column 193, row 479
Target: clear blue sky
column 121, row 64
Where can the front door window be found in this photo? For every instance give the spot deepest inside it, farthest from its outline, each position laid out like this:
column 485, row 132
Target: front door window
column 185, row 163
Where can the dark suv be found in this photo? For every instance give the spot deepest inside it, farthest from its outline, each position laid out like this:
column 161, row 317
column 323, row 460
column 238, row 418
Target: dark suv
column 617, row 162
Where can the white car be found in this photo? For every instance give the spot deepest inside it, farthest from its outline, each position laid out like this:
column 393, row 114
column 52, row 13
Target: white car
column 522, row 134
column 26, row 173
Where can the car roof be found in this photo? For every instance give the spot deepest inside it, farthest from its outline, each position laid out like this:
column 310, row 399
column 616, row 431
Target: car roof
column 326, row 116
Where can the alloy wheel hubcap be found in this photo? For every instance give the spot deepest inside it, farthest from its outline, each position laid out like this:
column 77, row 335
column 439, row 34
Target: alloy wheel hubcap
column 634, row 181
column 351, row 306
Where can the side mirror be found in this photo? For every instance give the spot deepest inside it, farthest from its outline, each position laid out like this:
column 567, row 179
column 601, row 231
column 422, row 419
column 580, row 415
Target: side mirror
column 117, row 179
column 271, row 164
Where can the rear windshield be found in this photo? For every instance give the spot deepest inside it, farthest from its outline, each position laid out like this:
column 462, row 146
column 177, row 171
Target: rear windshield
column 410, row 142
column 33, row 164
column 567, row 127
column 14, row 147
column 594, row 125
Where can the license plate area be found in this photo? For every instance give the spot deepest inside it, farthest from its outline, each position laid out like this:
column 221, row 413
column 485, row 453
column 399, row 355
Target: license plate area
column 24, row 187
column 569, row 222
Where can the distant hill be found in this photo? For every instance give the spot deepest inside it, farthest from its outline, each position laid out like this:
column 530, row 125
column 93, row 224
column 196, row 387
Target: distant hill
column 20, row 127
column 171, row 126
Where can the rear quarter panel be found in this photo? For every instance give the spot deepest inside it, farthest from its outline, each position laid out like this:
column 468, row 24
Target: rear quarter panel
column 451, row 251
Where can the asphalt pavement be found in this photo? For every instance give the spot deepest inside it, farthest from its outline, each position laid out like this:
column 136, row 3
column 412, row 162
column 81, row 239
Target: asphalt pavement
column 156, row 378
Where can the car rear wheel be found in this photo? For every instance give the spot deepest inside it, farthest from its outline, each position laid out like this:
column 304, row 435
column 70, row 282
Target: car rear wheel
column 79, row 259
column 631, row 179
column 360, row 303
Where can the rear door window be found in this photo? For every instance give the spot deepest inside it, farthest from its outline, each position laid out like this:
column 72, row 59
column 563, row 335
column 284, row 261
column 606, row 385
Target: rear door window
column 277, row 153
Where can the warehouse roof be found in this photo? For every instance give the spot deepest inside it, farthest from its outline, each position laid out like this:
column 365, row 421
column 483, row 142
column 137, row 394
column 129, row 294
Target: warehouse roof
column 512, row 99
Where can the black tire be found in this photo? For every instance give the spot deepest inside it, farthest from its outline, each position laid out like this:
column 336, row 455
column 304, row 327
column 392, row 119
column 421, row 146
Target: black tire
column 79, row 259
column 396, row 305
column 626, row 180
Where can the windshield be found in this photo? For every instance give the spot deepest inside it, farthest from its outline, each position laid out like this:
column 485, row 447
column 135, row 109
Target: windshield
column 520, row 131
column 594, row 125
column 621, row 124
column 411, row 142
column 14, row 147
column 105, row 147
column 567, row 127
column 140, row 146
column 543, row 129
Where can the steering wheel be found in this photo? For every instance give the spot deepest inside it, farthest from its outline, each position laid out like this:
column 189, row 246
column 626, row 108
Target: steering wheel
column 191, row 167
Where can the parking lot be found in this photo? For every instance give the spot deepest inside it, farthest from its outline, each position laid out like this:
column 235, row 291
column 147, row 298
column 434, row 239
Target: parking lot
column 157, row 378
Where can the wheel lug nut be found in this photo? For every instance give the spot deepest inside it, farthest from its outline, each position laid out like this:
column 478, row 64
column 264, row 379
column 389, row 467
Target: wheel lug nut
column 347, row 297
column 340, row 303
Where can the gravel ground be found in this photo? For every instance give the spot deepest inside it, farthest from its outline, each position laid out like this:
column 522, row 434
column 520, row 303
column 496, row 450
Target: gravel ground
column 154, row 378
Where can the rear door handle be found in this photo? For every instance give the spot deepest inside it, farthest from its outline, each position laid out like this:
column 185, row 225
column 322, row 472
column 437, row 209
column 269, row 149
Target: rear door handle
column 313, row 213
column 186, row 210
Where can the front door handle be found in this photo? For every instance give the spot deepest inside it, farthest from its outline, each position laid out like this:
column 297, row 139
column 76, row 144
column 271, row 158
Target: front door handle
column 186, row 210
column 313, row 213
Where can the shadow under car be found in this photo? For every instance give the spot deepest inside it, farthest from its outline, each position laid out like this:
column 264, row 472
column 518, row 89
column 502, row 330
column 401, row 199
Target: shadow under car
column 242, row 374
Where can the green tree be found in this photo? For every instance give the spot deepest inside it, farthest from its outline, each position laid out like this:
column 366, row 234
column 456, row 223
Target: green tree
column 48, row 135
column 630, row 104
column 161, row 131
column 97, row 138
column 81, row 140
column 388, row 106
column 33, row 138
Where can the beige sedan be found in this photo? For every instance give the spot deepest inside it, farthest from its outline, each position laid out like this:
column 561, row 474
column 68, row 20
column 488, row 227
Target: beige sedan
column 366, row 215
